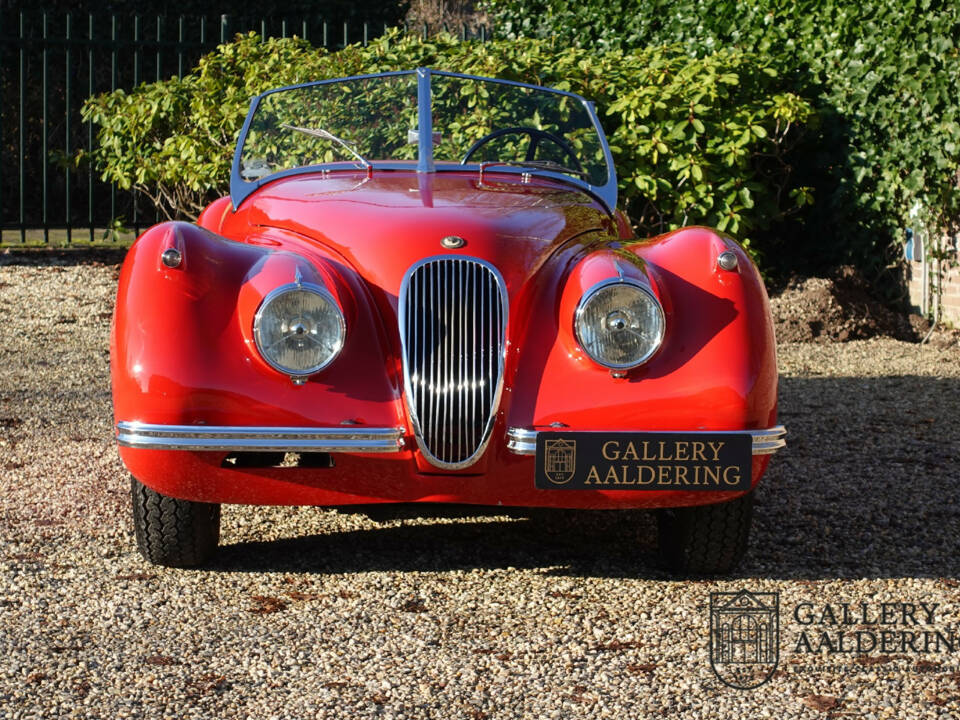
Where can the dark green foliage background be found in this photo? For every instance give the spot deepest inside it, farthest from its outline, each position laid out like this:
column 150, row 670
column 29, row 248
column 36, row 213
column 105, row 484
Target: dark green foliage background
column 885, row 78
column 696, row 140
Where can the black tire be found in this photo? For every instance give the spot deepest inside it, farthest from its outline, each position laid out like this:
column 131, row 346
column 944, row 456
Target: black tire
column 171, row 532
column 706, row 539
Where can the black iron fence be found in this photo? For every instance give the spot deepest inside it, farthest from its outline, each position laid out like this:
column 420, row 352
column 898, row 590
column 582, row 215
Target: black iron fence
column 49, row 64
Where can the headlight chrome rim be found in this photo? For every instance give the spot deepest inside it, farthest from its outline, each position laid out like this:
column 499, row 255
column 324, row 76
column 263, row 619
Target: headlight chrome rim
column 301, row 287
column 584, row 301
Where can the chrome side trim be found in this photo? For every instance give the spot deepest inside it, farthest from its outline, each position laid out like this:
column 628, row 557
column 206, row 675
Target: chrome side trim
column 239, row 438
column 765, row 442
column 522, row 441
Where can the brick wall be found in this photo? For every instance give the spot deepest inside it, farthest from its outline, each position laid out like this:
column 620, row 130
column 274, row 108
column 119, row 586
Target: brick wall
column 951, row 297
column 950, row 287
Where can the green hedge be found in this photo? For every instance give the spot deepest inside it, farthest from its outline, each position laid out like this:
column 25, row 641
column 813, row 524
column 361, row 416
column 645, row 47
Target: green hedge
column 696, row 140
column 884, row 76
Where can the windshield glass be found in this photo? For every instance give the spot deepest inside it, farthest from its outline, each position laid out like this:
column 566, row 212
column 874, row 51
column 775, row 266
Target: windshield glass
column 334, row 122
column 376, row 122
column 482, row 121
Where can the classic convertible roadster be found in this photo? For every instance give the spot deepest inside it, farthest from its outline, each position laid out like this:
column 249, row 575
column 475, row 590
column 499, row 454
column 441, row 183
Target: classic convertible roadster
column 420, row 289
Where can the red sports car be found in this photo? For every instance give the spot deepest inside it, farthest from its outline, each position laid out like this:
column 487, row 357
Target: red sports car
column 420, row 289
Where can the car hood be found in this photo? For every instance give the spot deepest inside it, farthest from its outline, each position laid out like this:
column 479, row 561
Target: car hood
column 383, row 223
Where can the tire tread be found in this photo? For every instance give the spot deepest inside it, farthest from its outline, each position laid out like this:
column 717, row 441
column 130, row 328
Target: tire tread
column 706, row 539
column 172, row 532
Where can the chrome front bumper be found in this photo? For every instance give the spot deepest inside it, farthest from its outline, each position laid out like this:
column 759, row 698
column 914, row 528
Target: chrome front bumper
column 358, row 440
column 765, row 442
column 237, row 438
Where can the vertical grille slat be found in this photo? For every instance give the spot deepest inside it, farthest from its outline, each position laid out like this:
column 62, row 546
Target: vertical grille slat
column 464, row 388
column 473, row 358
column 452, row 316
column 435, row 340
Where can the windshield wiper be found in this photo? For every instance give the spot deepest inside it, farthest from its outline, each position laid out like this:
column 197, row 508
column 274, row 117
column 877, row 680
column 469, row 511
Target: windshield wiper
column 539, row 165
column 321, row 133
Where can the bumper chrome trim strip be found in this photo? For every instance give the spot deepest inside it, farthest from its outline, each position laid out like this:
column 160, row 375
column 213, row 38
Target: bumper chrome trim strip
column 240, row 438
column 765, row 442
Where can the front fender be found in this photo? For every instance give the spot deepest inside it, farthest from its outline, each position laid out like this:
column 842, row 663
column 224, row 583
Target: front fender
column 716, row 368
column 182, row 351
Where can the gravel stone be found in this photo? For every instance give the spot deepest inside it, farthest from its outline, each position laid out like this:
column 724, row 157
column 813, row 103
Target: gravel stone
column 313, row 613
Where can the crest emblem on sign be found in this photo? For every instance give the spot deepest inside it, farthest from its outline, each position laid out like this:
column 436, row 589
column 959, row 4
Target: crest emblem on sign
column 744, row 637
column 559, row 460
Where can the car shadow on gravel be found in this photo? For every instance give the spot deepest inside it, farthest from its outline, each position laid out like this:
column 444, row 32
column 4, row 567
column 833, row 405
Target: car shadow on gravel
column 44, row 257
column 867, row 487
column 445, row 538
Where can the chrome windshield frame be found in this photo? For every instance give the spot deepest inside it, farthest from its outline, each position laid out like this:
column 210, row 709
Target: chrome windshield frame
column 241, row 189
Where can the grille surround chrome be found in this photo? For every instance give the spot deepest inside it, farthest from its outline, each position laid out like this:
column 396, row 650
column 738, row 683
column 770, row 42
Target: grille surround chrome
column 425, row 429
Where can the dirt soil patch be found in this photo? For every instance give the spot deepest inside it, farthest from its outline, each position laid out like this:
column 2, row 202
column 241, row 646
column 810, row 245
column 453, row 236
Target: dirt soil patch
column 839, row 308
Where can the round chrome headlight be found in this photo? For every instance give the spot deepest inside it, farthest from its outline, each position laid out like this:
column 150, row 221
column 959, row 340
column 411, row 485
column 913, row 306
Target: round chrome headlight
column 619, row 324
column 299, row 329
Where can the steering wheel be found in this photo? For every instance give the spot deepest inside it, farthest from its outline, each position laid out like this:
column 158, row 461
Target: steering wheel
column 535, row 137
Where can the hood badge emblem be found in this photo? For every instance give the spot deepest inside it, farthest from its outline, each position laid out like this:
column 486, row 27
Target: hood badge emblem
column 452, row 242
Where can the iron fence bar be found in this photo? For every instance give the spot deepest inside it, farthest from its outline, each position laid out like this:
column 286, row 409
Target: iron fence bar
column 113, row 88
column 227, row 22
column 159, row 75
column 90, row 125
column 180, row 48
column 23, row 86
column 43, row 137
column 66, row 141
column 136, row 83
column 121, row 43
column 136, row 50
column 42, row 36
column 2, row 47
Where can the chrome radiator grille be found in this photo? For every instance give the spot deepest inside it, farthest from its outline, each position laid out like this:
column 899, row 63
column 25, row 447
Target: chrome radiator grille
column 453, row 314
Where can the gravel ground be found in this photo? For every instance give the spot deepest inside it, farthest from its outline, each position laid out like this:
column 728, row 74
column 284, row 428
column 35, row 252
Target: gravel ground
column 317, row 613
